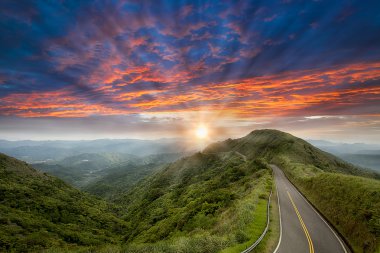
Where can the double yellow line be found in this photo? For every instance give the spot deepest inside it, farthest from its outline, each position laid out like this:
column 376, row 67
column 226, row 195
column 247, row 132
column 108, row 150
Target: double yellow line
column 311, row 247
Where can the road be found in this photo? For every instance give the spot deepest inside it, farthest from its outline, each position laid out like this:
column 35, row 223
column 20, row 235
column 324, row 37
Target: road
column 241, row 155
column 302, row 228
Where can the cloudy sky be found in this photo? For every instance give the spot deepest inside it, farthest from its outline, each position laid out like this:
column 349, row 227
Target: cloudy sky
column 157, row 69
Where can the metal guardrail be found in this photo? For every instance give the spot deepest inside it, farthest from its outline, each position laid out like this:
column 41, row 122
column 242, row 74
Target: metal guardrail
column 250, row 248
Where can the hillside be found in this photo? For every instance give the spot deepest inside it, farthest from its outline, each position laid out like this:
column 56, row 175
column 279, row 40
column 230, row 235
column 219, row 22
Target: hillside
column 43, row 151
column 347, row 195
column 40, row 211
column 272, row 144
column 97, row 170
column 120, row 179
column 211, row 201
column 80, row 170
column 206, row 202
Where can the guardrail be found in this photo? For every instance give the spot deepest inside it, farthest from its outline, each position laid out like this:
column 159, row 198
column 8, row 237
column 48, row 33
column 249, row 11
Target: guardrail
column 250, row 248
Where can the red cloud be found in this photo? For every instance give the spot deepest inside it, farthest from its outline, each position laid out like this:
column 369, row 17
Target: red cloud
column 342, row 88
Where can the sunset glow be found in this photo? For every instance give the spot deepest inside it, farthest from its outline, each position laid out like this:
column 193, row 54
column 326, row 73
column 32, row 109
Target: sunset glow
column 202, row 132
column 240, row 61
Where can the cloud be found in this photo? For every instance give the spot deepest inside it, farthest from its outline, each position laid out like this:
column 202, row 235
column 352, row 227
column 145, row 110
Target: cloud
column 345, row 89
column 286, row 59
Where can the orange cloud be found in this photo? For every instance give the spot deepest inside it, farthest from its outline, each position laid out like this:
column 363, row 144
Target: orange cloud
column 288, row 93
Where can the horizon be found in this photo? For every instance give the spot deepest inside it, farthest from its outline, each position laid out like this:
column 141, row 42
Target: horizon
column 190, row 126
column 179, row 139
column 139, row 70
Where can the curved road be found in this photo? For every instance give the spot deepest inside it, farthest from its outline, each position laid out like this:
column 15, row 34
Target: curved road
column 302, row 228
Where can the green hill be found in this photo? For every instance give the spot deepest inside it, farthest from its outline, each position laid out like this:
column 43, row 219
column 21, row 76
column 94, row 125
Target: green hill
column 104, row 174
column 272, row 145
column 39, row 211
column 82, row 169
column 209, row 201
column 347, row 195
column 120, row 179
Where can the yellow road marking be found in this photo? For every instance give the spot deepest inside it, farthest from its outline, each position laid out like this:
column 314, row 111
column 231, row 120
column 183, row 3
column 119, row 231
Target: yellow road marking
column 311, row 247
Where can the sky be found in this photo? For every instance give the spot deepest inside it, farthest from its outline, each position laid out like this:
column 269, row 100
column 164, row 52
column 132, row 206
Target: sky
column 159, row 69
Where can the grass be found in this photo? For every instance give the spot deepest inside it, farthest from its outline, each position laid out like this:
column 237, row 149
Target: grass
column 350, row 203
column 270, row 240
column 39, row 211
column 254, row 229
column 208, row 202
column 236, row 227
column 203, row 203
column 252, row 207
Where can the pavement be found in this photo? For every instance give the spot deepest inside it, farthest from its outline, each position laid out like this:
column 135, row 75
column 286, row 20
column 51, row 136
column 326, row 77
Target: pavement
column 302, row 228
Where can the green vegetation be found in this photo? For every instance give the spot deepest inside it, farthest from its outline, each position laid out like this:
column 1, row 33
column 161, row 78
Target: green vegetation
column 120, row 179
column 117, row 180
column 351, row 203
column 270, row 240
column 211, row 201
column 324, row 179
column 271, row 144
column 214, row 201
column 202, row 203
column 105, row 174
column 253, row 229
column 82, row 169
column 39, row 211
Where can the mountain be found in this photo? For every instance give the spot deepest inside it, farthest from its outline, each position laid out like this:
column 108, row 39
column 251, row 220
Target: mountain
column 209, row 200
column 37, row 153
column 202, row 196
column 93, row 171
column 344, row 148
column 360, row 154
column 273, row 145
column 347, row 195
column 120, row 179
column 371, row 161
column 80, row 170
column 40, row 211
column 42, row 151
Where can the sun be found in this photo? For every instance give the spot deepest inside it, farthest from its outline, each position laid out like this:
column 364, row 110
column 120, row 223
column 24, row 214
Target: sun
column 202, row 132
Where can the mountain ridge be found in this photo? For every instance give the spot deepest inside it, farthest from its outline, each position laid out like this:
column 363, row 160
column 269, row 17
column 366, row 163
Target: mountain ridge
column 212, row 199
column 270, row 143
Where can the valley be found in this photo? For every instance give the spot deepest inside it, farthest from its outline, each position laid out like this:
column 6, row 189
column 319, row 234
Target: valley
column 209, row 201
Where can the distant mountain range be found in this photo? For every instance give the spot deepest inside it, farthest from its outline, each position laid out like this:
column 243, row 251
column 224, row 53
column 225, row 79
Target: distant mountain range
column 42, row 151
column 346, row 148
column 205, row 202
column 361, row 154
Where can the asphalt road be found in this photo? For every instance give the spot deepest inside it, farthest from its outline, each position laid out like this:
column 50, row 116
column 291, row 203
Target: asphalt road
column 302, row 228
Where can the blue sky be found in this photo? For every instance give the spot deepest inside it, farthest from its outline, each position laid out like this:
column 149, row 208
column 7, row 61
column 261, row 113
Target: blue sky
column 160, row 66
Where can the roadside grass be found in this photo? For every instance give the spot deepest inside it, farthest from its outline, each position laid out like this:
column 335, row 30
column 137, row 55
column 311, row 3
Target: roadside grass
column 253, row 230
column 350, row 203
column 270, row 240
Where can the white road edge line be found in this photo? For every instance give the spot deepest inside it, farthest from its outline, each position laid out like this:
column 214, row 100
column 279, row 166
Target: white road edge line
column 279, row 213
column 337, row 237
